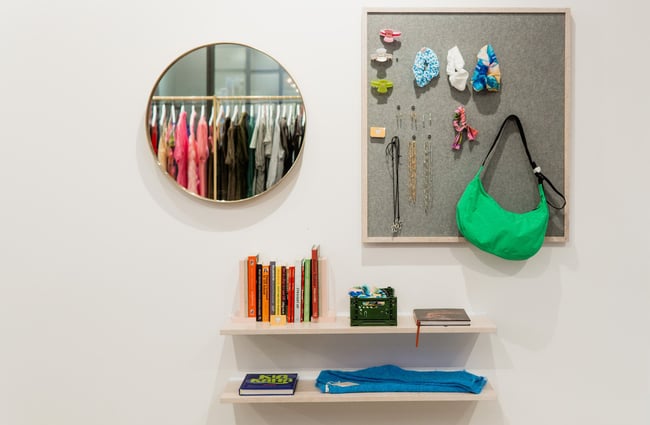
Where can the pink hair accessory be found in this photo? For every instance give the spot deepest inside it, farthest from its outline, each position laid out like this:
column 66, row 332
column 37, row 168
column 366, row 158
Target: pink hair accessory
column 389, row 34
column 460, row 125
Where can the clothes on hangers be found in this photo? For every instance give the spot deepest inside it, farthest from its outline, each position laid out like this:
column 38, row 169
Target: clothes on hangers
column 162, row 147
column 154, row 137
column 250, row 169
column 222, row 146
column 284, row 160
column 203, row 152
column 171, row 145
column 192, row 157
column 233, row 159
column 210, row 170
column 237, row 158
column 180, row 150
column 271, row 176
column 296, row 139
column 260, row 156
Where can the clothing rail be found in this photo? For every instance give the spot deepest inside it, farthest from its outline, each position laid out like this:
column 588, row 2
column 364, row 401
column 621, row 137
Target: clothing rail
column 219, row 99
column 258, row 98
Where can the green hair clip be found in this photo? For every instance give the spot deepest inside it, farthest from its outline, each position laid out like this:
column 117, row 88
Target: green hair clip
column 382, row 86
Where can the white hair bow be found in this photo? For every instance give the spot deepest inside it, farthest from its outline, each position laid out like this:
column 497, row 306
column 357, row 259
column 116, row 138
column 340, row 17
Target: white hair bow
column 455, row 64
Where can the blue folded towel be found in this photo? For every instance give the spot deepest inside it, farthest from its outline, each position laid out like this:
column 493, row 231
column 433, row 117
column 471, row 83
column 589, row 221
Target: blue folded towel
column 391, row 378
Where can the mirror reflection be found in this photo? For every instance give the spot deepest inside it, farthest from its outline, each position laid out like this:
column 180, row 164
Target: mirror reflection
column 226, row 122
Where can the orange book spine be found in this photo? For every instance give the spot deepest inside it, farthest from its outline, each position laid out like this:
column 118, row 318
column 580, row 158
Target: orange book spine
column 252, row 285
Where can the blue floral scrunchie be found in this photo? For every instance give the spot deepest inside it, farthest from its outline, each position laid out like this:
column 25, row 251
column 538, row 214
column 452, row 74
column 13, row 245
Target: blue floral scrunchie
column 426, row 66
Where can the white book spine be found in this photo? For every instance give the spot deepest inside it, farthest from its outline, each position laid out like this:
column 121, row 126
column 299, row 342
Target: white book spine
column 297, row 314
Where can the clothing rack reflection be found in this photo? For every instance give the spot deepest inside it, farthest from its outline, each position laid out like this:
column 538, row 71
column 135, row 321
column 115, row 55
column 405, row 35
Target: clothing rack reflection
column 216, row 103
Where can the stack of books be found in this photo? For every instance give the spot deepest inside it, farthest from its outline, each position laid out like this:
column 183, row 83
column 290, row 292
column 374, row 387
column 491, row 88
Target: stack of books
column 284, row 293
column 439, row 317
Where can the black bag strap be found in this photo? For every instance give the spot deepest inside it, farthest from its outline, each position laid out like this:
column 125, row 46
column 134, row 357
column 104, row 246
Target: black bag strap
column 541, row 178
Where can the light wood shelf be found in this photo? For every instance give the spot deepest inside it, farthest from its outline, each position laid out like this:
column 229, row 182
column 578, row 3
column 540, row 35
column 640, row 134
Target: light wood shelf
column 306, row 392
column 341, row 325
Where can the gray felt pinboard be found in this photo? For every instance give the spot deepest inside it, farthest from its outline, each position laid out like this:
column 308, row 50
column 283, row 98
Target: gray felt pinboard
column 532, row 48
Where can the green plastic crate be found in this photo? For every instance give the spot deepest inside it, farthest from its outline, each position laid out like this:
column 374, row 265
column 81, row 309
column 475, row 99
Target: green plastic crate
column 373, row 311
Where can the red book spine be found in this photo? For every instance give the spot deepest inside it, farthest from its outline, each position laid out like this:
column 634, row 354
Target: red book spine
column 291, row 289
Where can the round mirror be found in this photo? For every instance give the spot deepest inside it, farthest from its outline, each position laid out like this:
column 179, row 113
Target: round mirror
column 225, row 122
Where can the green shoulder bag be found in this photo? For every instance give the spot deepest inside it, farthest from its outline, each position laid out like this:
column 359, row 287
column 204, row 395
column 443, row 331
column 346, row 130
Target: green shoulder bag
column 484, row 223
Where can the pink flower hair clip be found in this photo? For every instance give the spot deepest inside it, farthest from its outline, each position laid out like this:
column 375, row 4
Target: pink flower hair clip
column 389, row 35
column 460, row 126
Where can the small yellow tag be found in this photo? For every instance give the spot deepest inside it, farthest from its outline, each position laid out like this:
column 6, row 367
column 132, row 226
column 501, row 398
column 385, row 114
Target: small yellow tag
column 278, row 319
column 377, row 132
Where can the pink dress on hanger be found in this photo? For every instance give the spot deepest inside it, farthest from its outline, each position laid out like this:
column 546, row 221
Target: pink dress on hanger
column 203, row 153
column 180, row 150
column 192, row 159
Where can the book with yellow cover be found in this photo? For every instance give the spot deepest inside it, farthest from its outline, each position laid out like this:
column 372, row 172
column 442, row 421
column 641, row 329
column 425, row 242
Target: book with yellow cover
column 278, row 290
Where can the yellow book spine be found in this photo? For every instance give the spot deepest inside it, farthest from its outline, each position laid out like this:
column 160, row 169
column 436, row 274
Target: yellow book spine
column 266, row 314
column 278, row 290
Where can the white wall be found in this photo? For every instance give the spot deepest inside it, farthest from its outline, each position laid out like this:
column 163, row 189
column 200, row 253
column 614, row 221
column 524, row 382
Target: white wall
column 113, row 285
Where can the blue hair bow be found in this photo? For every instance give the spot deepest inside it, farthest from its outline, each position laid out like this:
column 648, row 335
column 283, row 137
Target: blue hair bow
column 487, row 74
